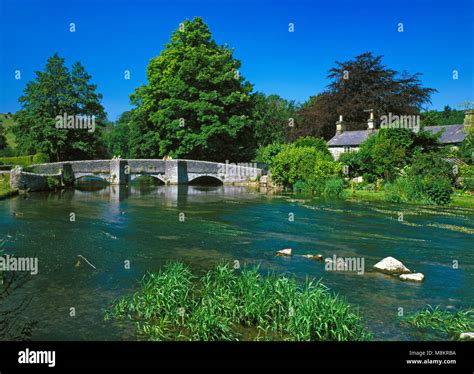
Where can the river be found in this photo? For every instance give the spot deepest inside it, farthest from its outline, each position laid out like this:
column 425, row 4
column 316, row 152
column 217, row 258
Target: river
column 146, row 227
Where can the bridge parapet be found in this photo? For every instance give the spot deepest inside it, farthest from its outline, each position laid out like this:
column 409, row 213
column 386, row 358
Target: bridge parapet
column 121, row 171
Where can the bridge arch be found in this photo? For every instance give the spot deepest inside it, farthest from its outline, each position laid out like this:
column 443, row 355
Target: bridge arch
column 206, row 179
column 158, row 178
column 91, row 176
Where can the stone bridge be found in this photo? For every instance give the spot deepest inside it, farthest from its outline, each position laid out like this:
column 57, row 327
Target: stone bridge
column 122, row 171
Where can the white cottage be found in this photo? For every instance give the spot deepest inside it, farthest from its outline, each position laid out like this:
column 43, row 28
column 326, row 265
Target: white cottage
column 350, row 141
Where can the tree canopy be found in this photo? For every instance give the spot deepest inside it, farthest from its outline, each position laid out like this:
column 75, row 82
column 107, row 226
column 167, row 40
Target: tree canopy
column 196, row 103
column 273, row 118
column 56, row 91
column 116, row 136
column 360, row 84
column 445, row 117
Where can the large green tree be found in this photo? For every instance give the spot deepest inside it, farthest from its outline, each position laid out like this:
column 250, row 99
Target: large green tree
column 54, row 92
column 273, row 118
column 360, row 84
column 117, row 135
column 196, row 103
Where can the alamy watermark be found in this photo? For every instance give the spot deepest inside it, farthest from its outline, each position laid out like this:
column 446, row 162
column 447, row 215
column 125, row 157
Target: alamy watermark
column 393, row 121
column 12, row 263
column 75, row 122
column 350, row 264
column 243, row 169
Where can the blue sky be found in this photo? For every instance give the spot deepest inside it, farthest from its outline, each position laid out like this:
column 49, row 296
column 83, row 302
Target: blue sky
column 113, row 36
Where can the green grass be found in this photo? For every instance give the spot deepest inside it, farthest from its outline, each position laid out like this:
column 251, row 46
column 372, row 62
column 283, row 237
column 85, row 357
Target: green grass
column 442, row 320
column 462, row 201
column 228, row 304
column 457, row 199
column 5, row 190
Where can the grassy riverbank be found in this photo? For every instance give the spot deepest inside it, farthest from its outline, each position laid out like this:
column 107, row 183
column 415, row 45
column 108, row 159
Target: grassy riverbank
column 5, row 190
column 228, row 304
column 457, row 199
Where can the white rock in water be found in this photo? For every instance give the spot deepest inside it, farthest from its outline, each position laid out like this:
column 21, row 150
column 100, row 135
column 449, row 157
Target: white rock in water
column 467, row 336
column 284, row 252
column 415, row 277
column 391, row 265
column 314, row 257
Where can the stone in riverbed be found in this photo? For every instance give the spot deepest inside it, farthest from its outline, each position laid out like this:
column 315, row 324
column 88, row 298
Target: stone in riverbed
column 391, row 265
column 314, row 257
column 284, row 252
column 415, row 277
column 466, row 336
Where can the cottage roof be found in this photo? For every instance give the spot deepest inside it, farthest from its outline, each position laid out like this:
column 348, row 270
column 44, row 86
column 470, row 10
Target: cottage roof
column 450, row 134
column 348, row 138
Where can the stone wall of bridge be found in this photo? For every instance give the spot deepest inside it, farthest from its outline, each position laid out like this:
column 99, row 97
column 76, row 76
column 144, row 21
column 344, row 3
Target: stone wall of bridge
column 122, row 171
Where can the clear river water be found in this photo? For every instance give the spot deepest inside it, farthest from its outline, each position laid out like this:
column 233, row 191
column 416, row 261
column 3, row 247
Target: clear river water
column 142, row 225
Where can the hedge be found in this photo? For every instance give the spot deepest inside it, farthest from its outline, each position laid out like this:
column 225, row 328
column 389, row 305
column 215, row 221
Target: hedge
column 38, row 158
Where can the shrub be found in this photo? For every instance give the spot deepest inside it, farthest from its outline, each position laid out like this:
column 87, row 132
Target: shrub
column 19, row 160
column 437, row 190
column 313, row 142
column 334, row 187
column 468, row 183
column 314, row 186
column 53, row 183
column 352, row 161
column 293, row 164
column 369, row 178
column 466, row 171
column 430, row 164
column 405, row 189
column 393, row 193
column 325, row 168
column 302, row 186
column 40, row 158
column 390, row 150
column 267, row 153
column 302, row 163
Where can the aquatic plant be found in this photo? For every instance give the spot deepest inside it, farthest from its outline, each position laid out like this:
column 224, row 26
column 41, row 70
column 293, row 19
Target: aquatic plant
column 229, row 304
column 452, row 323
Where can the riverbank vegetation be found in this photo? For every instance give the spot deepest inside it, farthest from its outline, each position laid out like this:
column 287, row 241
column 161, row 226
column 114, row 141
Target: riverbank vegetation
column 24, row 161
column 5, row 189
column 443, row 321
column 458, row 199
column 395, row 165
column 229, row 304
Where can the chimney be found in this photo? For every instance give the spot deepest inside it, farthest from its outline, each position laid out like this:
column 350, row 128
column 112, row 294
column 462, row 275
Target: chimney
column 340, row 127
column 469, row 117
column 370, row 121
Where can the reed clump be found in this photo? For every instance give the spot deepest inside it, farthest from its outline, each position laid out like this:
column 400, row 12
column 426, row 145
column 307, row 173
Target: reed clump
column 227, row 304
